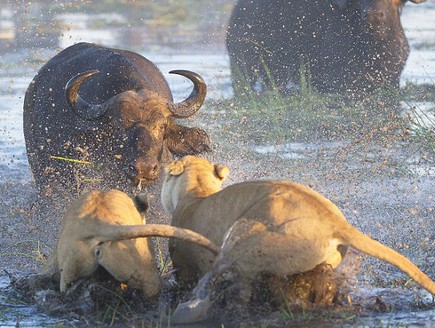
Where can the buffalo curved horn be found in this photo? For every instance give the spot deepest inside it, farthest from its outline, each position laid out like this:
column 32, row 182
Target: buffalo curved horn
column 190, row 106
column 79, row 106
column 418, row 1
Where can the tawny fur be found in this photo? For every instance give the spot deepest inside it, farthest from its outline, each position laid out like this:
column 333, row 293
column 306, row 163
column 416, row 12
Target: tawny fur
column 278, row 228
column 102, row 229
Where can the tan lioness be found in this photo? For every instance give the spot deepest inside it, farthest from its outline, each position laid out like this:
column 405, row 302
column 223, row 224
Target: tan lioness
column 279, row 228
column 98, row 229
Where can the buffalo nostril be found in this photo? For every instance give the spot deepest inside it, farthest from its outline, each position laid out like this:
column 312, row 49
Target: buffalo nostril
column 152, row 171
column 144, row 170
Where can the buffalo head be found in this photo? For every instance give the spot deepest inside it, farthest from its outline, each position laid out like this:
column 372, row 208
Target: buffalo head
column 383, row 44
column 140, row 126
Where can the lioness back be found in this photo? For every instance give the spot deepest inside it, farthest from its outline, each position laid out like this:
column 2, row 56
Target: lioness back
column 274, row 203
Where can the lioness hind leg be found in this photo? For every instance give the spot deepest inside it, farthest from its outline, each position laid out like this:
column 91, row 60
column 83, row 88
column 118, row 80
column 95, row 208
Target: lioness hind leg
column 257, row 250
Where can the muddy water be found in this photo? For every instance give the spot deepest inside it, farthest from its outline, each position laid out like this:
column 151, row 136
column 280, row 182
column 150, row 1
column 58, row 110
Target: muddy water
column 22, row 315
column 395, row 209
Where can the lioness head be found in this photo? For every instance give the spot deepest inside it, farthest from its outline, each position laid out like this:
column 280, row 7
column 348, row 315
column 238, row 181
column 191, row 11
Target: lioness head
column 191, row 176
column 106, row 229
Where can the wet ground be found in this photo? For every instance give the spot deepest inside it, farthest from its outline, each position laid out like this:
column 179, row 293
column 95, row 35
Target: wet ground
column 383, row 183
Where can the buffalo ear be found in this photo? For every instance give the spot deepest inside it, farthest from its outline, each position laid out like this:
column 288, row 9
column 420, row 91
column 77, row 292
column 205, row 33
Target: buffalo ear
column 221, row 171
column 141, row 201
column 184, row 141
column 174, row 168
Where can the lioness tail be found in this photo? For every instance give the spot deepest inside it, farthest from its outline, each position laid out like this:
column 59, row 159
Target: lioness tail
column 365, row 244
column 156, row 230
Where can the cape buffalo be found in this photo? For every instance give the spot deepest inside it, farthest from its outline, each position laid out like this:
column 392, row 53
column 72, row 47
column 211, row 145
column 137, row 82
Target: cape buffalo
column 98, row 113
column 339, row 45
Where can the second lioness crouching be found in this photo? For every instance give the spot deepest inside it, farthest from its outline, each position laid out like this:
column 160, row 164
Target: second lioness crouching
column 265, row 228
column 106, row 229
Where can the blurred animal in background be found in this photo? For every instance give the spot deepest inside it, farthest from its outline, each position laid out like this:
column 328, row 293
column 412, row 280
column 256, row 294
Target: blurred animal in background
column 337, row 46
column 103, row 229
column 266, row 228
column 105, row 115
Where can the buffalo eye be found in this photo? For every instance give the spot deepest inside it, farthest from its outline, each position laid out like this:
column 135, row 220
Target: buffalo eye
column 164, row 126
column 98, row 250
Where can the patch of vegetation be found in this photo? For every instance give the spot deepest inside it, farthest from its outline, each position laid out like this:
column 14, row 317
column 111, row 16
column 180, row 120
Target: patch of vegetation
column 369, row 136
column 37, row 254
column 421, row 123
column 308, row 116
column 419, row 92
column 163, row 260
column 291, row 313
column 305, row 115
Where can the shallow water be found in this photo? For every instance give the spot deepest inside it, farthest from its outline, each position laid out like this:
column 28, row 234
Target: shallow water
column 21, row 315
column 17, row 70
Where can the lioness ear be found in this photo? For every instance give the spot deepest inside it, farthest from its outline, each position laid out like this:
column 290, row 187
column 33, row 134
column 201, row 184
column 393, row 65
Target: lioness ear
column 174, row 168
column 141, row 201
column 221, row 171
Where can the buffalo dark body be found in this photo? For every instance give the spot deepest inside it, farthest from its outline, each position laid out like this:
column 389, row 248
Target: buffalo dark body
column 342, row 45
column 111, row 110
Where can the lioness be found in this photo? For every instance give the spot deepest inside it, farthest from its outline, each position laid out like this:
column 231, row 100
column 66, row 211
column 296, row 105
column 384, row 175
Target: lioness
column 278, row 228
column 91, row 234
